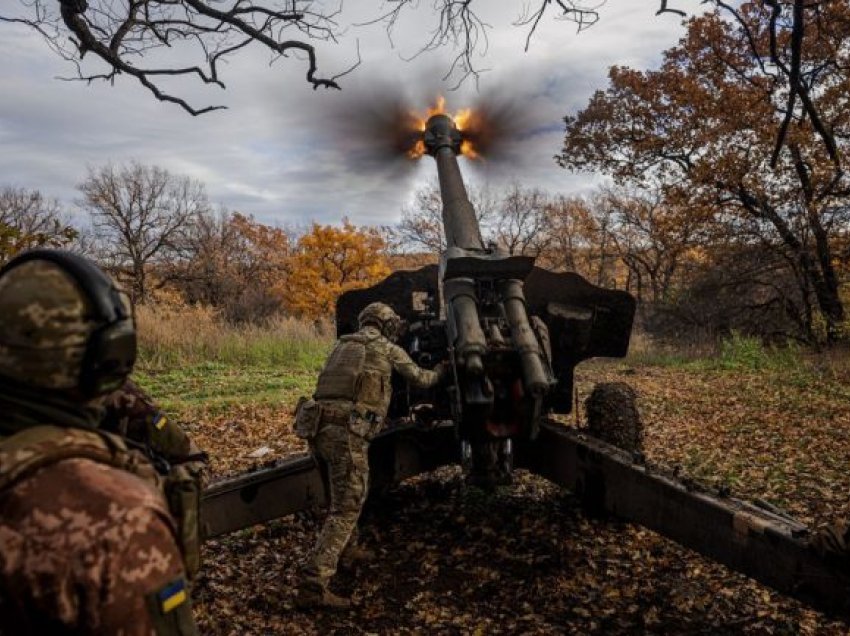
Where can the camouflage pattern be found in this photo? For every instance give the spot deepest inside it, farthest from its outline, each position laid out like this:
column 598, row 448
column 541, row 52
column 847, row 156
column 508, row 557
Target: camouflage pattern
column 340, row 377
column 382, row 358
column 87, row 544
column 382, row 316
column 346, row 457
column 613, row 416
column 44, row 326
column 132, row 413
column 83, row 547
column 36, row 447
column 342, row 446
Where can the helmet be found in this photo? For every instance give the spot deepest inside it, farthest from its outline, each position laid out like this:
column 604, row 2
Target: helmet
column 63, row 325
column 381, row 316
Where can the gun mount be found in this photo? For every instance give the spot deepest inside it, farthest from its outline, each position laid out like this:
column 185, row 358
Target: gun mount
column 514, row 333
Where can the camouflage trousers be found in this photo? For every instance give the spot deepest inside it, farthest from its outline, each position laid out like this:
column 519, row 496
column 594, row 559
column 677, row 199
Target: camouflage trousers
column 346, row 456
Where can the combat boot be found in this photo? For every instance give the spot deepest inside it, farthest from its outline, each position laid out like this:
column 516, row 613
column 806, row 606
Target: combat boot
column 354, row 554
column 313, row 596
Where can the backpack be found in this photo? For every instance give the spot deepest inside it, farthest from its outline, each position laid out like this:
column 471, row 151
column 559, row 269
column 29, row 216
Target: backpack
column 31, row 449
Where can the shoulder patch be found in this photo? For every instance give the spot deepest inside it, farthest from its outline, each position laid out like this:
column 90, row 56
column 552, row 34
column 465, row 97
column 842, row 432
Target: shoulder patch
column 159, row 421
column 171, row 610
column 172, row 595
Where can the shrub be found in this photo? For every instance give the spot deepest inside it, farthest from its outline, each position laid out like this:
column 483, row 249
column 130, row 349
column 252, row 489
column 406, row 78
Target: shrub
column 748, row 353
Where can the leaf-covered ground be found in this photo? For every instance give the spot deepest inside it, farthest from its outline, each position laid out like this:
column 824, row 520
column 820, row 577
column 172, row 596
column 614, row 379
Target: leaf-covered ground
column 527, row 559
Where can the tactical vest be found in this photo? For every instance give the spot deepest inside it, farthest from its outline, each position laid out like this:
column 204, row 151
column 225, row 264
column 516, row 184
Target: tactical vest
column 31, row 449
column 342, row 374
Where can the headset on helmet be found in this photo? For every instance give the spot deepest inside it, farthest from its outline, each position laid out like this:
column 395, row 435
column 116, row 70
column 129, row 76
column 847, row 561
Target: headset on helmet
column 111, row 348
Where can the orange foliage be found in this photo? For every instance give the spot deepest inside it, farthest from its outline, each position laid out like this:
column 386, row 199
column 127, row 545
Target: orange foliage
column 330, row 260
column 263, row 245
column 703, row 130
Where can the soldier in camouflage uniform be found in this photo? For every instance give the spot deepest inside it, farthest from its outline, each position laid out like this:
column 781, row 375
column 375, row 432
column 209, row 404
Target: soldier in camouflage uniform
column 135, row 416
column 351, row 401
column 130, row 412
column 87, row 542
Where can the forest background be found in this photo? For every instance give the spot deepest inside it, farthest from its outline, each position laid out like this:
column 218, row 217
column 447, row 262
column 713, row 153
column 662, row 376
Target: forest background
column 725, row 210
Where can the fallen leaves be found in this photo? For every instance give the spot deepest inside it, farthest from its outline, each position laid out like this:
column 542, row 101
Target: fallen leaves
column 527, row 559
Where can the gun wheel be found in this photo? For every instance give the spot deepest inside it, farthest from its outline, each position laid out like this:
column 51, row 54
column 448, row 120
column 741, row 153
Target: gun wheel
column 613, row 417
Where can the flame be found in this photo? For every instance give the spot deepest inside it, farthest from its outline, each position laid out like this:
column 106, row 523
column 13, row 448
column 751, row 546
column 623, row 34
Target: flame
column 462, row 120
column 467, row 149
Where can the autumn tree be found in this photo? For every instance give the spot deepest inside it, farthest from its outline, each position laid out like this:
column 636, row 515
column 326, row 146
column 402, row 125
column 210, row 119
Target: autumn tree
column 29, row 219
column 584, row 228
column 781, row 45
column 702, row 130
column 140, row 215
column 233, row 262
column 329, row 260
column 653, row 238
column 573, row 233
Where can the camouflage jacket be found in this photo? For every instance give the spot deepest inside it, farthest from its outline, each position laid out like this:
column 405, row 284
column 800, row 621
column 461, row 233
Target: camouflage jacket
column 87, row 544
column 132, row 413
column 374, row 386
column 85, row 547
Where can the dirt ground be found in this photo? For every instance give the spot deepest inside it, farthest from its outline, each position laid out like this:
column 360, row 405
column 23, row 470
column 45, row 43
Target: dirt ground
column 453, row 560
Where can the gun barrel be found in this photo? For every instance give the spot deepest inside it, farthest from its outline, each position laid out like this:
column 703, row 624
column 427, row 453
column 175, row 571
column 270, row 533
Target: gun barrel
column 535, row 376
column 442, row 140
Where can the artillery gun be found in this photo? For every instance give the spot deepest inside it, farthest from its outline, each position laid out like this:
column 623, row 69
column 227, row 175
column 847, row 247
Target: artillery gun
column 514, row 334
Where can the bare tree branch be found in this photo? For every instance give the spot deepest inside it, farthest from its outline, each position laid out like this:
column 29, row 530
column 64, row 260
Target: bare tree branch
column 584, row 17
column 119, row 32
column 665, row 9
column 141, row 215
column 461, row 28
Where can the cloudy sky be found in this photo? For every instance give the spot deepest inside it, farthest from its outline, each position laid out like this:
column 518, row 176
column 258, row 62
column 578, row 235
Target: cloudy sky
column 290, row 155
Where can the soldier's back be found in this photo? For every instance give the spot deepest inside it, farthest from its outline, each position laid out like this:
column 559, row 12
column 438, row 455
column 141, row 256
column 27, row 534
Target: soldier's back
column 88, row 548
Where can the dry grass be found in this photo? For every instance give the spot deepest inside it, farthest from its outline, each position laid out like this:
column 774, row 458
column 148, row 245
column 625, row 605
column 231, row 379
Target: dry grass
column 173, row 334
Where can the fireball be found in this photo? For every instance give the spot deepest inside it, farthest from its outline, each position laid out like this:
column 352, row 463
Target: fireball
column 464, row 119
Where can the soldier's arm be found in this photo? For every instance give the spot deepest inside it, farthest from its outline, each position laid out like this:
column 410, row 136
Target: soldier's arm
column 146, row 587
column 131, row 412
column 88, row 549
column 409, row 370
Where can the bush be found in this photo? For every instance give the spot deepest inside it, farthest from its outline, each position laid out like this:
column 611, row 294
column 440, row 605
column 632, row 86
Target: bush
column 748, row 353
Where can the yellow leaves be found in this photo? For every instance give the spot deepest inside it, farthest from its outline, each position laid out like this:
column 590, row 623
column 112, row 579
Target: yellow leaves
column 309, row 276
column 328, row 261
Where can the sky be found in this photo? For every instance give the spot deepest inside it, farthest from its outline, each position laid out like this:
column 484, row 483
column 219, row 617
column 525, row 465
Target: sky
column 289, row 155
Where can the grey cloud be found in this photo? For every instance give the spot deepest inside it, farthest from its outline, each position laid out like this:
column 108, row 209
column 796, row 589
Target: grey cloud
column 284, row 152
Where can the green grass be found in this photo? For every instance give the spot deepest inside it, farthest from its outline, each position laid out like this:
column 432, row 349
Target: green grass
column 735, row 353
column 255, row 375
column 745, row 353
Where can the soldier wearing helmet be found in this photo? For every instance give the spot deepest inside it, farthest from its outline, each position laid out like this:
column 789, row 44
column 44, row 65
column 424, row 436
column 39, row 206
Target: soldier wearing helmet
column 87, row 542
column 347, row 410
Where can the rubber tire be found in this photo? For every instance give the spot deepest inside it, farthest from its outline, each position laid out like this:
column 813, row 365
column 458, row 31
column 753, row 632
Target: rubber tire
column 613, row 417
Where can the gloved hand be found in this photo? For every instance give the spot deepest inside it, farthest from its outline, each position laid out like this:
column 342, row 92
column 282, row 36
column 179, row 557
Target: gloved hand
column 444, row 371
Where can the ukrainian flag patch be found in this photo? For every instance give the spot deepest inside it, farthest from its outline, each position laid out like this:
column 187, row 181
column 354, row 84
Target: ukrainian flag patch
column 160, row 421
column 172, row 595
